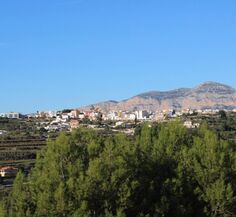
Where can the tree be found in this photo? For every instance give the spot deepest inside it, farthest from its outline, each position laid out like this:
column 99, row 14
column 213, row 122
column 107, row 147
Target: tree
column 212, row 166
column 19, row 197
column 2, row 209
column 223, row 114
column 163, row 170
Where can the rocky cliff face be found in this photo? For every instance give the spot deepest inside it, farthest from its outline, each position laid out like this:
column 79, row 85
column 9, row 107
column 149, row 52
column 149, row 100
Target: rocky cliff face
column 207, row 95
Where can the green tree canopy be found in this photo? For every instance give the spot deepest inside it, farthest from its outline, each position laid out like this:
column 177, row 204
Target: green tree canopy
column 163, row 170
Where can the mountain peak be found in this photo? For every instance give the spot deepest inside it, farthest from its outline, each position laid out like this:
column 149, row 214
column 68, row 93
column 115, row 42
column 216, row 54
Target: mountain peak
column 214, row 87
column 213, row 83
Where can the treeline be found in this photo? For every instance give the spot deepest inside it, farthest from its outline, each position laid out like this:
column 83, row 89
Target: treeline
column 163, row 170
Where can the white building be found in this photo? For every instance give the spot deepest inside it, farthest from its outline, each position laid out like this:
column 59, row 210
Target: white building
column 65, row 116
column 52, row 114
column 10, row 115
column 81, row 116
column 112, row 116
column 131, row 117
column 141, row 115
column 191, row 125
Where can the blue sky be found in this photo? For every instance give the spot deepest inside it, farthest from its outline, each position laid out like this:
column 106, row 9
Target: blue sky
column 58, row 54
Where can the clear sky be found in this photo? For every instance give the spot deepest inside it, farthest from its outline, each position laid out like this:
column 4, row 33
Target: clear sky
column 58, row 54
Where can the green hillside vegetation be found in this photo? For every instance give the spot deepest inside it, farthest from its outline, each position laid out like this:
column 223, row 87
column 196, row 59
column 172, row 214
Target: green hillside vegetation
column 163, row 170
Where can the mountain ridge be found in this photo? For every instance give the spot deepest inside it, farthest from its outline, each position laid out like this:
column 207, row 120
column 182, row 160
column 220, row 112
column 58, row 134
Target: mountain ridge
column 208, row 95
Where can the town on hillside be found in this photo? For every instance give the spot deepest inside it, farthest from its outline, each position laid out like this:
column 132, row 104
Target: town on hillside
column 69, row 119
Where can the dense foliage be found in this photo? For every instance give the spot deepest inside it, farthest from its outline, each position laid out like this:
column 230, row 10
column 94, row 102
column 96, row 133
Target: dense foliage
column 163, row 170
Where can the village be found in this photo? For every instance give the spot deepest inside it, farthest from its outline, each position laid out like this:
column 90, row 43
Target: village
column 69, row 119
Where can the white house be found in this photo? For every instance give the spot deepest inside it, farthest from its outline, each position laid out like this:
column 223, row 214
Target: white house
column 10, row 115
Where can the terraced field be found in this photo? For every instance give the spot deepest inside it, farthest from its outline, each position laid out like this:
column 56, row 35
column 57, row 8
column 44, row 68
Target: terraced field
column 19, row 153
column 23, row 149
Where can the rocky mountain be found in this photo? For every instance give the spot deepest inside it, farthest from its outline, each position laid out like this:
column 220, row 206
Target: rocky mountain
column 205, row 96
